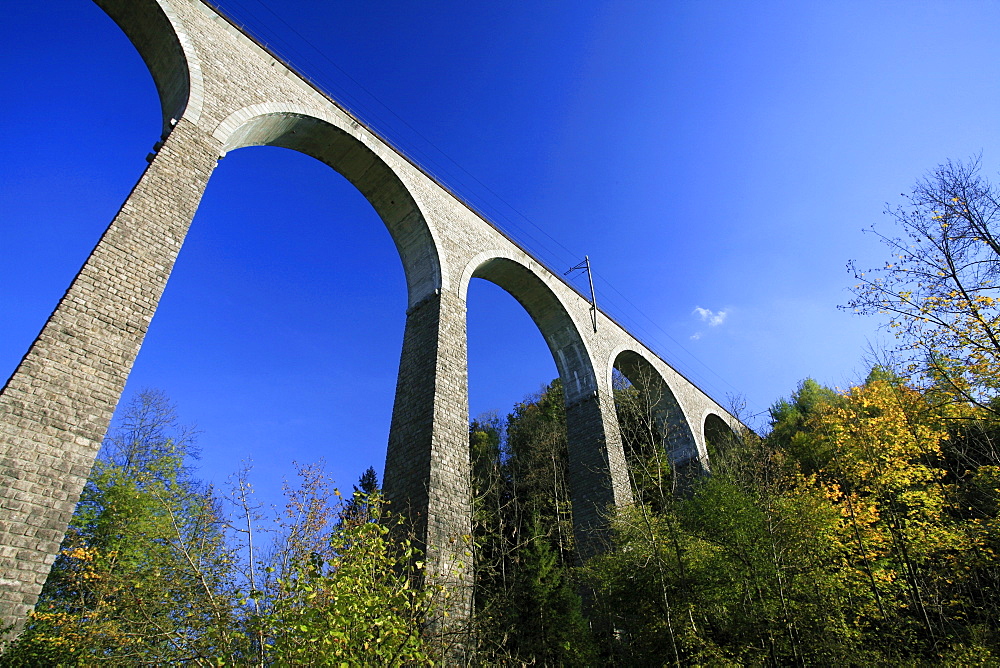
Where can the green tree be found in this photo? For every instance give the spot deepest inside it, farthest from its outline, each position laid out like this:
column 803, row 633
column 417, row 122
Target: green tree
column 494, row 535
column 790, row 419
column 144, row 572
column 356, row 507
column 547, row 611
column 527, row 608
column 342, row 590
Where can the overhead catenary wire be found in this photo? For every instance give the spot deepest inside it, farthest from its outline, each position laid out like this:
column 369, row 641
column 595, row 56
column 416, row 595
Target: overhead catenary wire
column 423, row 159
column 555, row 252
column 494, row 215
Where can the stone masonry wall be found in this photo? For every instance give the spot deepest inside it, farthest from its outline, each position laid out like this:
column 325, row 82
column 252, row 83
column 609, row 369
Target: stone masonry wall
column 56, row 407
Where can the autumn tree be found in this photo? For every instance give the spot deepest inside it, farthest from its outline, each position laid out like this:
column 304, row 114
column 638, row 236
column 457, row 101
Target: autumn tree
column 920, row 556
column 836, row 539
column 941, row 284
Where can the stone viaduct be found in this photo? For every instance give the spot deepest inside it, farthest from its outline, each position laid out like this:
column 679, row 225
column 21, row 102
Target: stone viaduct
column 220, row 90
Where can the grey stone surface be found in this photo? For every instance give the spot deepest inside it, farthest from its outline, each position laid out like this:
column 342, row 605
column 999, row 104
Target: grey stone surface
column 221, row 91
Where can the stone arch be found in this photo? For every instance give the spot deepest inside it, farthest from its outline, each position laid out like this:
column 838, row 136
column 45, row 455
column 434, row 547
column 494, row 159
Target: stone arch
column 319, row 136
column 550, row 315
column 169, row 54
column 597, row 474
column 719, row 434
column 56, row 407
column 663, row 409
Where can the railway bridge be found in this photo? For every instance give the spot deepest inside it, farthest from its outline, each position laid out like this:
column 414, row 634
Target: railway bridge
column 220, row 91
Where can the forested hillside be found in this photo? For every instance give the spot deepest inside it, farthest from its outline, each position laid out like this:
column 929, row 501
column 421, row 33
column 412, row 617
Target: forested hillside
column 862, row 529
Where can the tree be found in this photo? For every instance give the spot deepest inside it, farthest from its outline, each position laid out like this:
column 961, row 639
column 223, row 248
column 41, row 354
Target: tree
column 152, row 572
column 144, row 572
column 790, row 420
column 356, row 507
column 494, row 534
column 812, row 546
column 527, row 608
column 920, row 555
column 342, row 590
column 941, row 286
column 644, row 438
column 744, row 567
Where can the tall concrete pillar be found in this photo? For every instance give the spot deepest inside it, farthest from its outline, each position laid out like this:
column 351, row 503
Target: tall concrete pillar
column 56, row 407
column 427, row 462
column 598, row 474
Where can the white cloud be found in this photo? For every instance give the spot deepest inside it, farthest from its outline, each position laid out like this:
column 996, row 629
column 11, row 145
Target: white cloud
column 713, row 319
column 696, row 336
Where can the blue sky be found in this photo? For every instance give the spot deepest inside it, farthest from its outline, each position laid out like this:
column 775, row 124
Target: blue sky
column 717, row 161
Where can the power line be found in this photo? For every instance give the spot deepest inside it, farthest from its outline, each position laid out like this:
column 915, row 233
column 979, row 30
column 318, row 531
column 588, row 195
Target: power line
column 365, row 113
column 426, row 159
